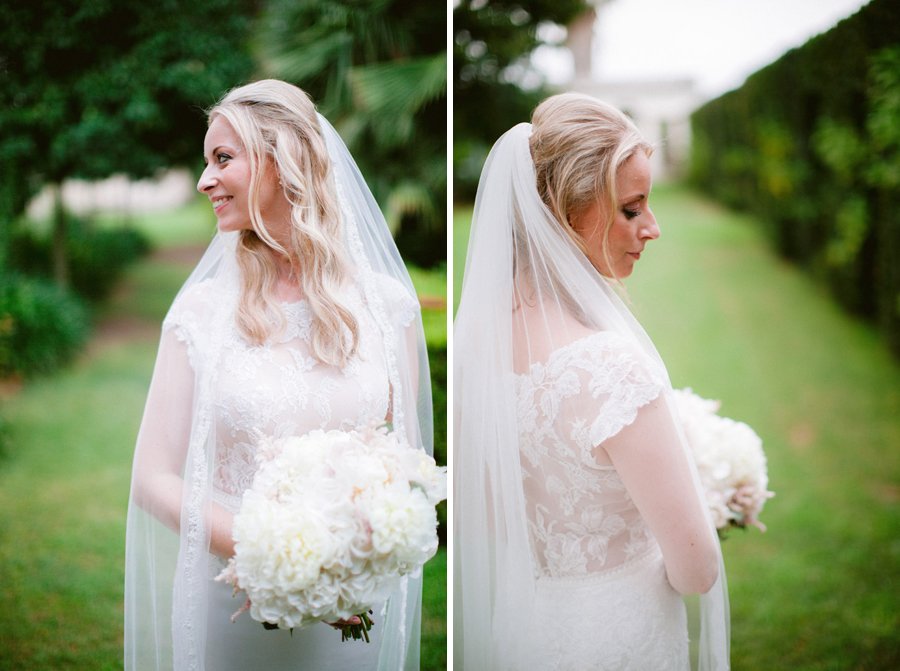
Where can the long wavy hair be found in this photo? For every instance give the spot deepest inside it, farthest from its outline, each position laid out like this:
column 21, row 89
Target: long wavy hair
column 276, row 122
column 578, row 144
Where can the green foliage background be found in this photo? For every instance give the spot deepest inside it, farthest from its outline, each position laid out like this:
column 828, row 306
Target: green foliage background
column 378, row 71
column 98, row 87
column 488, row 38
column 811, row 144
column 41, row 327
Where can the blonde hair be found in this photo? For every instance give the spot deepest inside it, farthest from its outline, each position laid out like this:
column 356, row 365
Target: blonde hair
column 578, row 145
column 277, row 122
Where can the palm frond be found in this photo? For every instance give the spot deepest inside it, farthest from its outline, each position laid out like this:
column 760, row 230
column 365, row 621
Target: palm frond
column 408, row 198
column 399, row 87
column 390, row 94
column 312, row 58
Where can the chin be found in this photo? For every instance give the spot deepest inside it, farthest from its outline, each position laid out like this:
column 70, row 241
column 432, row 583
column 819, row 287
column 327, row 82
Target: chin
column 617, row 272
column 227, row 227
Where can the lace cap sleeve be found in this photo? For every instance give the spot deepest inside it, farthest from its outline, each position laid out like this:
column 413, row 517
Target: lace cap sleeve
column 190, row 316
column 402, row 306
column 622, row 380
column 589, row 390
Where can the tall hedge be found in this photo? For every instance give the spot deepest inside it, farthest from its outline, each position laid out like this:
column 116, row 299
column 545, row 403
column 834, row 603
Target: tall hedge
column 811, row 145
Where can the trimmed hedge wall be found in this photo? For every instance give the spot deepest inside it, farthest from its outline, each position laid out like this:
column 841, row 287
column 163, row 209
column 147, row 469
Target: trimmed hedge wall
column 811, row 145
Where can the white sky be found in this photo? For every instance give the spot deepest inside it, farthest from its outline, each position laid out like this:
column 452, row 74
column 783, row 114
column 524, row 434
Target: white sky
column 715, row 42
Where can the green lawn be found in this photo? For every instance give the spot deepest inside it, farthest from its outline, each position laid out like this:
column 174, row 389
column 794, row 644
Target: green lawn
column 820, row 590
column 65, row 472
column 462, row 217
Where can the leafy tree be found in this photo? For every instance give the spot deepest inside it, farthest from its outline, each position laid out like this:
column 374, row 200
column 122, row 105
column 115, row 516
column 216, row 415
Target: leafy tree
column 96, row 87
column 490, row 36
column 377, row 70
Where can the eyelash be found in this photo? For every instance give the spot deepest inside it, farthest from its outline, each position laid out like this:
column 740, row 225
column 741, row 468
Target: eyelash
column 629, row 213
column 221, row 157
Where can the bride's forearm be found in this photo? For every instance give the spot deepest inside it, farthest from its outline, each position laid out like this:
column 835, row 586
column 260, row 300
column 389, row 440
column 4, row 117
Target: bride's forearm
column 220, row 521
column 161, row 495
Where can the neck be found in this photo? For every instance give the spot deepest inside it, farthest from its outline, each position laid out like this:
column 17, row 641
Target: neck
column 287, row 273
column 287, row 284
column 284, row 267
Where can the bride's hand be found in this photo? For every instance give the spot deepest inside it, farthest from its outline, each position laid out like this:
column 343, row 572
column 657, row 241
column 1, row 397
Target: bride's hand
column 355, row 620
column 354, row 628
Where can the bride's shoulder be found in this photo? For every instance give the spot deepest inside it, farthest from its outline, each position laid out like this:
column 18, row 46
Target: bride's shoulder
column 597, row 346
column 195, row 306
column 599, row 351
column 202, row 297
column 398, row 299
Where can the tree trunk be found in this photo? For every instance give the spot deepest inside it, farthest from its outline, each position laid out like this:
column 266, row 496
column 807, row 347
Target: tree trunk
column 60, row 255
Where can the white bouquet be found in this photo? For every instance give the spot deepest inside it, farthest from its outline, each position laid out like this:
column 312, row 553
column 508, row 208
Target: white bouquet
column 331, row 523
column 730, row 461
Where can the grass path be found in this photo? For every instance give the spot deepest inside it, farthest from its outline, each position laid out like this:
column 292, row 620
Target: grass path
column 821, row 589
column 64, row 481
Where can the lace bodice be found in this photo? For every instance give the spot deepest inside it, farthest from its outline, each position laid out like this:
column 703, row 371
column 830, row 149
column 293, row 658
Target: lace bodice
column 280, row 389
column 581, row 519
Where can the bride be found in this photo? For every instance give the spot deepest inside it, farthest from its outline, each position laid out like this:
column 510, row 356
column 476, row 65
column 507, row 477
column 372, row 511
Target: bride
column 578, row 517
column 300, row 316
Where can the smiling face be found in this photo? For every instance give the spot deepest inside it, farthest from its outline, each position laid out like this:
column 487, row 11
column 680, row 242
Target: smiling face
column 226, row 182
column 633, row 225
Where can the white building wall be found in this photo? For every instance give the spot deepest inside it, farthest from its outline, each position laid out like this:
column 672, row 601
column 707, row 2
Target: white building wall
column 119, row 194
column 660, row 109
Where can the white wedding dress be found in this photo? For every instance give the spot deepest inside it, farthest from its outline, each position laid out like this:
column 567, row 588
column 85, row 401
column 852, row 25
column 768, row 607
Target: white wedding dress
column 602, row 599
column 279, row 390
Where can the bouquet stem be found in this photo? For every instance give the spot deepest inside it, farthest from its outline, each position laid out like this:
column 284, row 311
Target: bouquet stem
column 357, row 631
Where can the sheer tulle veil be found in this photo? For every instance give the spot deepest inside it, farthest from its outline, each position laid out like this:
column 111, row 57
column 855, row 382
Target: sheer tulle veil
column 528, row 289
column 167, row 572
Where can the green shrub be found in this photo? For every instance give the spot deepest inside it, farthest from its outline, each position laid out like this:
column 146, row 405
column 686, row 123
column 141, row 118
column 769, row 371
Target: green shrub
column 97, row 256
column 41, row 326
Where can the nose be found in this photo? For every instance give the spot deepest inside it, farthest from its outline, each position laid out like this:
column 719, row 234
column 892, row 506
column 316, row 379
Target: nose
column 650, row 229
column 206, row 181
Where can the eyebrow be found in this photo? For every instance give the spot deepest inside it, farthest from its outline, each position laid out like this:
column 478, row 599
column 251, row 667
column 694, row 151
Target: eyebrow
column 213, row 151
column 631, row 199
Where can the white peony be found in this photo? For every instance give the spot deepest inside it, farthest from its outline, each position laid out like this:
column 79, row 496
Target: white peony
column 401, row 524
column 730, row 461
column 331, row 523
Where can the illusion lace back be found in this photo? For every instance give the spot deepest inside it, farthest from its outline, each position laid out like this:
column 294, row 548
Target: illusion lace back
column 603, row 600
column 279, row 389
